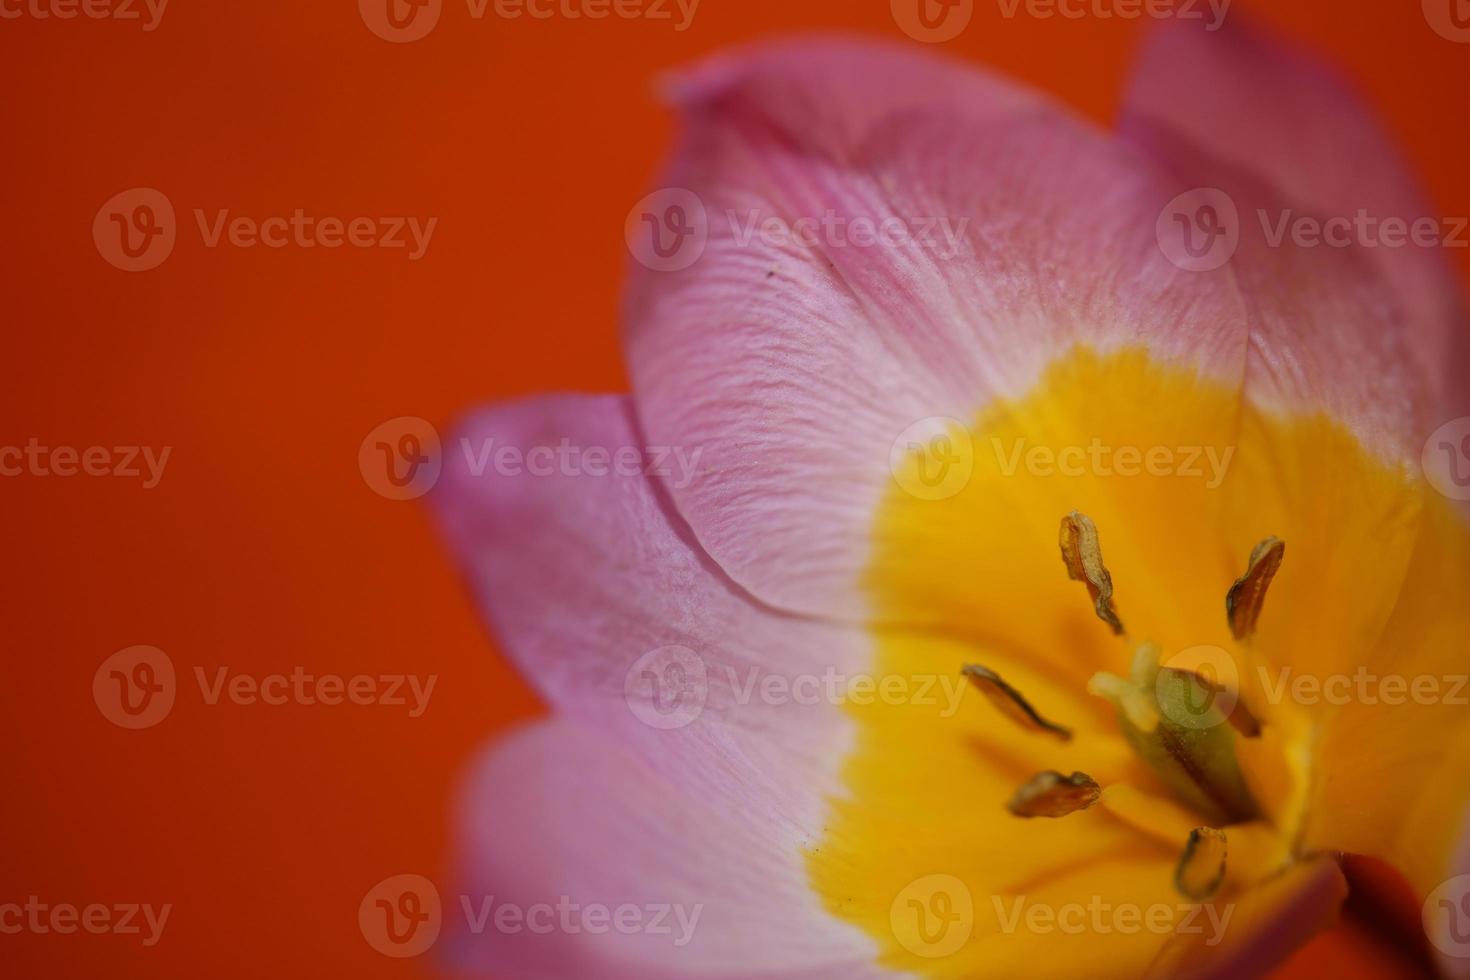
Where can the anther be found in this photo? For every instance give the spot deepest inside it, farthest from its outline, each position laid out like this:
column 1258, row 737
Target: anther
column 1011, row 703
column 1082, row 555
column 1201, row 868
column 1246, row 597
column 1050, row 794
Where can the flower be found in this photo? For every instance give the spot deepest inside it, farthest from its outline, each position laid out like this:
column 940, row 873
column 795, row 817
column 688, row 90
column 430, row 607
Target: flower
column 827, row 699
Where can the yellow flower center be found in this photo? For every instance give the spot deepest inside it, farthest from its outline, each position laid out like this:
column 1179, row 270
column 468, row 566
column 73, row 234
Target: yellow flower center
column 1077, row 760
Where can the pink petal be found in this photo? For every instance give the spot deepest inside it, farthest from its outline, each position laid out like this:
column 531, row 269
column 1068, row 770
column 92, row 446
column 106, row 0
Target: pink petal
column 586, row 823
column 796, row 367
column 1235, row 110
column 583, row 576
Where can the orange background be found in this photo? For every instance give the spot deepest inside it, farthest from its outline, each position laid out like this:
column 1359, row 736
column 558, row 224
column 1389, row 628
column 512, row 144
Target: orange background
column 262, row 548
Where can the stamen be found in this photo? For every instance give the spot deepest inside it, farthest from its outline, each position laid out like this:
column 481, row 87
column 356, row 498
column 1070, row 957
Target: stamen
column 1246, row 597
column 1011, row 703
column 1201, row 869
column 1050, row 794
column 1082, row 555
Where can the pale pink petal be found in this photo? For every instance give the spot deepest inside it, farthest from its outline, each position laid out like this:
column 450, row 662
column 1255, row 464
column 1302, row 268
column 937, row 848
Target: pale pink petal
column 586, row 577
column 561, row 817
column 795, row 366
column 1220, row 105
